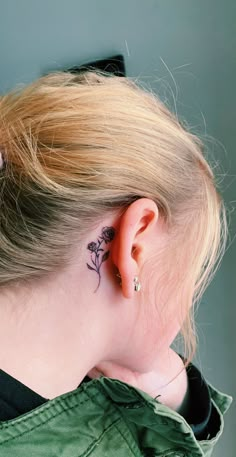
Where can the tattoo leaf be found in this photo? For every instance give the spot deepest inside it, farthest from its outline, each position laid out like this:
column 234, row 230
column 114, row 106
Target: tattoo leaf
column 90, row 268
column 105, row 256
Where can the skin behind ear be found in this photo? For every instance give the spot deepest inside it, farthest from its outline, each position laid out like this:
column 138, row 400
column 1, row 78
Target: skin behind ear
column 132, row 237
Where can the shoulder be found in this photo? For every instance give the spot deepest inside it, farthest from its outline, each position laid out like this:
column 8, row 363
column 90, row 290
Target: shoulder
column 106, row 416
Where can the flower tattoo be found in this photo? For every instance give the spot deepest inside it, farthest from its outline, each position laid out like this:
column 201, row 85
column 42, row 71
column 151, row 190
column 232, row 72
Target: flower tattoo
column 97, row 258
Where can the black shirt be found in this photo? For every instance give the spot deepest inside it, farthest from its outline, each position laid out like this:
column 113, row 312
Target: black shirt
column 17, row 399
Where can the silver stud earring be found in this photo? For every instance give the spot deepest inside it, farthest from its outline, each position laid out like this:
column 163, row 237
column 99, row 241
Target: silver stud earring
column 119, row 276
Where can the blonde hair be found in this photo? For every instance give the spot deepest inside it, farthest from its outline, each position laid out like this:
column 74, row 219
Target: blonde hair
column 80, row 147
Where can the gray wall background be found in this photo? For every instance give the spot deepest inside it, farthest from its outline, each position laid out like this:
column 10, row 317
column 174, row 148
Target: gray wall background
column 183, row 49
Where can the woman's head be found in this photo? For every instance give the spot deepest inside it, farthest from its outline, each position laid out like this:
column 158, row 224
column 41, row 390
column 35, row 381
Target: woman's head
column 79, row 149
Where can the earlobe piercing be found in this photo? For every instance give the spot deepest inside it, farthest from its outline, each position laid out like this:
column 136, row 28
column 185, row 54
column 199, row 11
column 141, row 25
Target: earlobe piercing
column 137, row 284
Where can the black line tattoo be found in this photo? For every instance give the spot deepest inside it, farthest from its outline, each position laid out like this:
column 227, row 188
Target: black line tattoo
column 97, row 258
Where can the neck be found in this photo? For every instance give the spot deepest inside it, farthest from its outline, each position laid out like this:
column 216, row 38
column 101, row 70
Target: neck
column 48, row 345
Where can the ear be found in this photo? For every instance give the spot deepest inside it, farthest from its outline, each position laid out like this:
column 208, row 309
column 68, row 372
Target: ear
column 132, row 235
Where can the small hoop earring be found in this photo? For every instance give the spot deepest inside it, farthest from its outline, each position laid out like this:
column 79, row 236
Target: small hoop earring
column 137, row 284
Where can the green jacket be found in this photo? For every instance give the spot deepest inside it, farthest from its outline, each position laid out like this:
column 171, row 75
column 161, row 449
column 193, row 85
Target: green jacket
column 107, row 417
